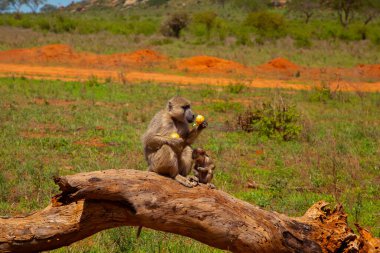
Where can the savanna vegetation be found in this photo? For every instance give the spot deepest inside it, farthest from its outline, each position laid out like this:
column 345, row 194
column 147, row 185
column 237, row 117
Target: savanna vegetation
column 307, row 32
column 281, row 150
column 278, row 149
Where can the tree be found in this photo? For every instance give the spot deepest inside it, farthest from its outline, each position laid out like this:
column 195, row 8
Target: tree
column 34, row 4
column 345, row 9
column 48, row 8
column 370, row 9
column 16, row 5
column 4, row 5
column 93, row 201
column 306, row 7
column 173, row 26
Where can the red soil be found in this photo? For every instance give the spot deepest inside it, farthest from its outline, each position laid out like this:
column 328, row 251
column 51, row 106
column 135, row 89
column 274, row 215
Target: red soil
column 281, row 64
column 59, row 54
column 211, row 65
column 279, row 73
column 77, row 74
column 371, row 71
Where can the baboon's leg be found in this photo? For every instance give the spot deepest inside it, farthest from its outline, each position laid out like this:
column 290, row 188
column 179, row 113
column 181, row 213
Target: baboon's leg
column 164, row 162
column 209, row 176
column 184, row 165
column 186, row 161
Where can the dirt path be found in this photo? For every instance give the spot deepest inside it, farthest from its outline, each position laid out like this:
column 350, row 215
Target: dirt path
column 60, row 61
column 77, row 74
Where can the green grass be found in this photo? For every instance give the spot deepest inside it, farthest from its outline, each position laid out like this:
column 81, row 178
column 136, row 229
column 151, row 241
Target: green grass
column 43, row 125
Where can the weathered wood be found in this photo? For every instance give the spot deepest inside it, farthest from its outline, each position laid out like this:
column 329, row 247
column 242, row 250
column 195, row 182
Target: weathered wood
column 94, row 201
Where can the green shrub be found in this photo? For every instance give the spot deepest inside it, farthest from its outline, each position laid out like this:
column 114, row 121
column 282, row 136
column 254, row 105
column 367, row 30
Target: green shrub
column 376, row 39
column 325, row 93
column 62, row 24
column 268, row 24
column 222, row 28
column 235, row 88
column 44, row 24
column 275, row 120
column 302, row 42
column 206, row 18
column 198, row 30
column 251, row 5
column 146, row 27
column 243, row 36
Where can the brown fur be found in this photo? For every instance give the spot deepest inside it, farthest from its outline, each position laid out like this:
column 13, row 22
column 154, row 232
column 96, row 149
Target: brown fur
column 203, row 166
column 166, row 155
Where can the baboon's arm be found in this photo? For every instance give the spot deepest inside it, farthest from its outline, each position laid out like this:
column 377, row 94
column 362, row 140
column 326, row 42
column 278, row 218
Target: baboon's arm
column 155, row 141
column 202, row 169
column 193, row 134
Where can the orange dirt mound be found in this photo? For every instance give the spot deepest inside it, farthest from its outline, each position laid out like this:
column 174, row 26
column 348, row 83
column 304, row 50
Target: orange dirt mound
column 146, row 55
column 211, row 65
column 369, row 70
column 64, row 54
column 279, row 64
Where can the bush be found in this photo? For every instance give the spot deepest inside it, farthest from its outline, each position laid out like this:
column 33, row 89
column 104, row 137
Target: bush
column 268, row 24
column 275, row 120
column 206, row 18
column 251, row 5
column 325, row 93
column 59, row 24
column 235, row 88
column 173, row 26
column 302, row 42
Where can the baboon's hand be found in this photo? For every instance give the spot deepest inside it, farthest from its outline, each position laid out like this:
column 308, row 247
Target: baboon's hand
column 203, row 125
column 177, row 143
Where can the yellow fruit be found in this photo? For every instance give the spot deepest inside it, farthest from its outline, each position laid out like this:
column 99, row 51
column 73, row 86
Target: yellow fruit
column 174, row 136
column 199, row 119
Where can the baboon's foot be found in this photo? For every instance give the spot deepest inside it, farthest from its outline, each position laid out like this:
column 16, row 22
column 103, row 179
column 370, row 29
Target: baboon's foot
column 193, row 178
column 184, row 181
column 211, row 186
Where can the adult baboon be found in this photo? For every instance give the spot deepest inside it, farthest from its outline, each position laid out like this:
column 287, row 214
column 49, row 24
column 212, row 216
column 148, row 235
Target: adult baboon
column 203, row 167
column 168, row 138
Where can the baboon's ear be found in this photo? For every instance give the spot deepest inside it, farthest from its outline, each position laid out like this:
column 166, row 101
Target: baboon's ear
column 170, row 106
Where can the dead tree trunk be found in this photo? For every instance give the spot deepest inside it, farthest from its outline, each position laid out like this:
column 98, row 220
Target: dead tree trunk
column 94, row 201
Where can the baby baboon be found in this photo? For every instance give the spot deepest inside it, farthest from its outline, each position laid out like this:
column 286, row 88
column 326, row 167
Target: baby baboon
column 168, row 154
column 203, row 167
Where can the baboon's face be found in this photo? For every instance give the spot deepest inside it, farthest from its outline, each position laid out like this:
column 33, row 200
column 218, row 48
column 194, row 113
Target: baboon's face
column 198, row 152
column 180, row 109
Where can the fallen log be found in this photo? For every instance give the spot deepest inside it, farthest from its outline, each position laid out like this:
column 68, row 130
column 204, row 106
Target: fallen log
column 93, row 201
